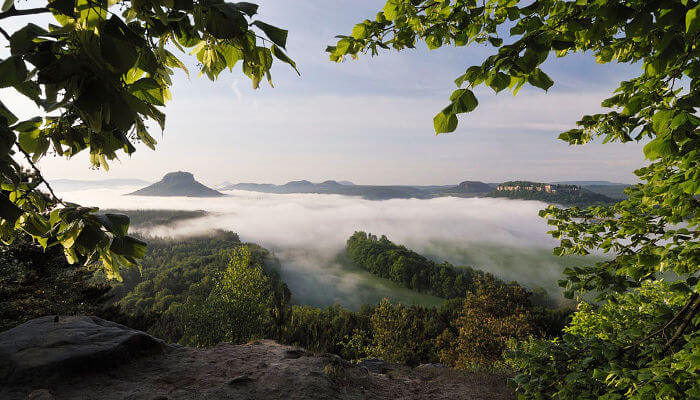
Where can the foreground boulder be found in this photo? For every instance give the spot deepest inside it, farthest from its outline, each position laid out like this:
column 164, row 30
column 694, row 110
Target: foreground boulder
column 133, row 365
column 49, row 348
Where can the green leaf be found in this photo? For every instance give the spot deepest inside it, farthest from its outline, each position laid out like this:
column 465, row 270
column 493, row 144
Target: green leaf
column 129, row 247
column 359, row 32
column 498, row 81
column 343, row 46
column 7, row 4
column 70, row 234
column 148, row 89
column 8, row 210
column 279, row 54
column 249, row 9
column 119, row 54
column 91, row 237
column 118, row 224
column 662, row 146
column 463, row 101
column 540, row 79
column 226, row 22
column 691, row 187
column 33, row 143
column 496, row 42
column 13, row 71
column 35, row 225
column 232, row 54
column 144, row 136
column 70, row 255
column 277, row 35
column 29, row 125
column 662, row 120
column 7, row 114
column 445, row 122
column 23, row 40
column 391, row 10
column 692, row 22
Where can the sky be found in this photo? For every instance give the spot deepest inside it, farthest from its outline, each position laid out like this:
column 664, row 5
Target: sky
column 368, row 121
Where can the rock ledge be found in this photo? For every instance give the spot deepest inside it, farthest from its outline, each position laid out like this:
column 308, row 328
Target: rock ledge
column 50, row 348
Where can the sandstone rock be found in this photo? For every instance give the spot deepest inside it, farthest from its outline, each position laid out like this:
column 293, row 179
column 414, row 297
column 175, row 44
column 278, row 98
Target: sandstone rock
column 40, row 394
column 76, row 346
column 240, row 379
column 430, row 365
column 377, row 365
column 294, row 353
column 43, row 349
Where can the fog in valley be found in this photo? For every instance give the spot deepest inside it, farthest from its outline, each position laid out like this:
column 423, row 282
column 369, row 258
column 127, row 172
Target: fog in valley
column 307, row 233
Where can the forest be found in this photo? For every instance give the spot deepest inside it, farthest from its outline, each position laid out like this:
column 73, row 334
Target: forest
column 94, row 77
column 387, row 260
column 202, row 290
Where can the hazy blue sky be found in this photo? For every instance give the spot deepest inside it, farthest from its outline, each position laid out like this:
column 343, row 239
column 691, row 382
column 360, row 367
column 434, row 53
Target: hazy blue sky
column 370, row 121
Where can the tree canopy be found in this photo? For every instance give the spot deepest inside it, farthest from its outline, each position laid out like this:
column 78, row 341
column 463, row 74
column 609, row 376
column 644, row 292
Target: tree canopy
column 651, row 235
column 100, row 76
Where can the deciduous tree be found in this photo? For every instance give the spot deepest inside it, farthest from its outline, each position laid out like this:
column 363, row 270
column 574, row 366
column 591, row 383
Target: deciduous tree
column 98, row 75
column 651, row 235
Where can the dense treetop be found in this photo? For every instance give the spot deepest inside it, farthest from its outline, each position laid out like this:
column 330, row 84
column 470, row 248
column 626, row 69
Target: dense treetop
column 652, row 234
column 386, row 259
column 98, row 74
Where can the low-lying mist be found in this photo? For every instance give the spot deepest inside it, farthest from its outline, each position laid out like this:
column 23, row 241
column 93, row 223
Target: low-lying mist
column 307, row 232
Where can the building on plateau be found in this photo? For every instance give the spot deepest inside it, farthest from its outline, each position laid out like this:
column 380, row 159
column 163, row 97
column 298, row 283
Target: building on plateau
column 535, row 187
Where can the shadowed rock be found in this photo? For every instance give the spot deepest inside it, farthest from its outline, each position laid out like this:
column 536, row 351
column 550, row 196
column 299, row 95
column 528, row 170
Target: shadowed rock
column 79, row 350
column 44, row 349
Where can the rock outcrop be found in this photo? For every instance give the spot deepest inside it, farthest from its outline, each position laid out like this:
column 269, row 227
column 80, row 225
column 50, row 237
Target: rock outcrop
column 177, row 184
column 51, row 348
column 97, row 359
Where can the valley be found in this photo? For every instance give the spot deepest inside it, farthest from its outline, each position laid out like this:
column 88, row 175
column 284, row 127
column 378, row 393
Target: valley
column 306, row 233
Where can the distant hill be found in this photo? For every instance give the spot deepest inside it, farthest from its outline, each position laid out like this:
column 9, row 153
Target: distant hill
column 222, row 185
column 369, row 192
column 612, row 191
column 67, row 185
column 467, row 187
column 589, row 183
column 151, row 218
column 568, row 195
column 177, row 184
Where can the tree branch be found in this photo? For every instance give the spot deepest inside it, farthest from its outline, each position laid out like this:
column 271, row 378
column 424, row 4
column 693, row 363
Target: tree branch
column 38, row 172
column 4, row 33
column 693, row 300
column 686, row 321
column 13, row 12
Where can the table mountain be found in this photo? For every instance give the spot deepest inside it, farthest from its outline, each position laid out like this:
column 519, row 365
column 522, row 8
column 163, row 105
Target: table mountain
column 177, row 184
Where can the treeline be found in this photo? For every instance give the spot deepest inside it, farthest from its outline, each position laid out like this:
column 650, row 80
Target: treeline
column 201, row 291
column 386, row 259
column 150, row 218
column 465, row 333
column 176, row 272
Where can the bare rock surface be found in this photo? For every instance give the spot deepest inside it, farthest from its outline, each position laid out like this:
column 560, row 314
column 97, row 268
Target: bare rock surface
column 52, row 347
column 257, row 370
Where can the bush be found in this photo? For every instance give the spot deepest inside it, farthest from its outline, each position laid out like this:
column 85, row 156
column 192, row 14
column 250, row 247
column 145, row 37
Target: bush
column 615, row 351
